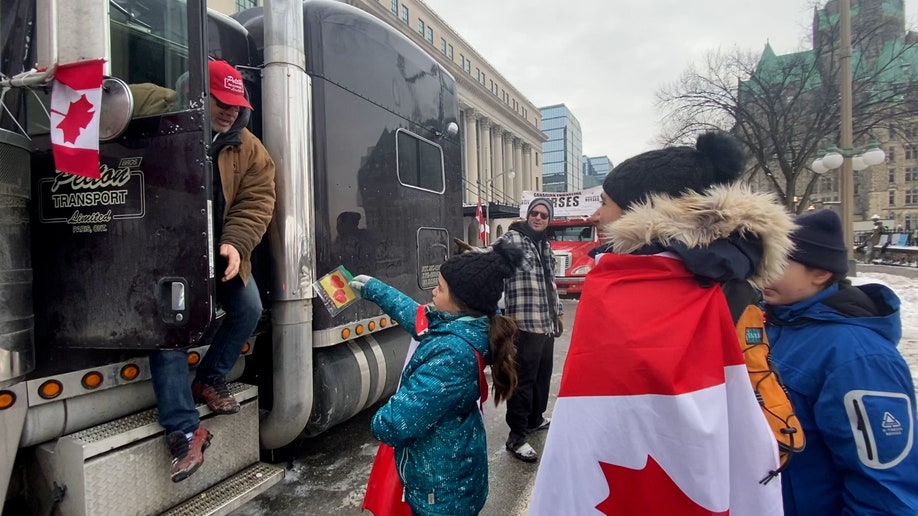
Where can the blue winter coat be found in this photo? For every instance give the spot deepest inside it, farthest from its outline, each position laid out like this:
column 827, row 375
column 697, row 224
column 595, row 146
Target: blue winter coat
column 854, row 396
column 433, row 421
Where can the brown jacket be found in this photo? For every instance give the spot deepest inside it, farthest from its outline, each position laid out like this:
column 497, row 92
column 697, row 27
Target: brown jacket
column 247, row 174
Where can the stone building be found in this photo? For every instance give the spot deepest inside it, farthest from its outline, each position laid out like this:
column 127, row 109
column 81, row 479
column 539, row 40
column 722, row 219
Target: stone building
column 884, row 51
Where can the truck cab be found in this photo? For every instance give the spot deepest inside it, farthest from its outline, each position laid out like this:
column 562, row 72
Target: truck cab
column 97, row 273
column 571, row 239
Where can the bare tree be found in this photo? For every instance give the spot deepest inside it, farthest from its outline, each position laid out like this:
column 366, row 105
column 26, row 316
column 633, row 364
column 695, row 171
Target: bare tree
column 785, row 109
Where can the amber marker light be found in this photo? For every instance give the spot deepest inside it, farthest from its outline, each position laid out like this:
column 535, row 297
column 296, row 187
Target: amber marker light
column 50, row 389
column 383, row 322
column 246, row 348
column 92, row 380
column 371, row 325
column 345, row 333
column 359, row 329
column 7, row 399
column 130, row 372
column 194, row 358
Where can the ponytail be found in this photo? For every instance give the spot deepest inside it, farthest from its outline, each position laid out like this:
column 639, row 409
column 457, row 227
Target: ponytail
column 503, row 335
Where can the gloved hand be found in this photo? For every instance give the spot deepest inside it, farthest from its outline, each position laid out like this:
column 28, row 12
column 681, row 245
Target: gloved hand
column 358, row 283
column 559, row 324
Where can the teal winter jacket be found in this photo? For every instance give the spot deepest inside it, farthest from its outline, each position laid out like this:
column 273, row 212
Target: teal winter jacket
column 433, row 421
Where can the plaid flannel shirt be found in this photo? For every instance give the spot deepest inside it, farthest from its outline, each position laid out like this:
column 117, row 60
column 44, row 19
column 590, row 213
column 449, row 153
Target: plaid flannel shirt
column 529, row 298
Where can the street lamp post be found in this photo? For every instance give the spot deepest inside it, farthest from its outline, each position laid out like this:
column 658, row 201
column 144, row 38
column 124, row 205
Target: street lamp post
column 510, row 175
column 848, row 158
column 846, row 183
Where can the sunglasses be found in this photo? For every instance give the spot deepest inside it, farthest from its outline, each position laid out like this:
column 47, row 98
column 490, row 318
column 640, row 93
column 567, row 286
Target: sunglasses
column 539, row 214
column 222, row 105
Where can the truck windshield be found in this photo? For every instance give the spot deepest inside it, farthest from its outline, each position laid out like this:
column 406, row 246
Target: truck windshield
column 149, row 51
column 570, row 233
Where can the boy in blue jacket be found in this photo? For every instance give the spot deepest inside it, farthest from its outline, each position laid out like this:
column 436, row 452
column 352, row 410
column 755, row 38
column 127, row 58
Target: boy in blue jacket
column 834, row 346
column 434, row 421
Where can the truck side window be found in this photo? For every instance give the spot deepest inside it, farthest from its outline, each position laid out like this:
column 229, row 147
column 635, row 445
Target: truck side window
column 149, row 51
column 420, row 162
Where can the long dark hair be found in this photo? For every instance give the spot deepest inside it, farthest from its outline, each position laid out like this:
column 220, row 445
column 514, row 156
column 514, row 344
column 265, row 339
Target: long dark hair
column 503, row 335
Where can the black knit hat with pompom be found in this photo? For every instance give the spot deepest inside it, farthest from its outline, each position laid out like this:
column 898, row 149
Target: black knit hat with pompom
column 477, row 279
column 716, row 159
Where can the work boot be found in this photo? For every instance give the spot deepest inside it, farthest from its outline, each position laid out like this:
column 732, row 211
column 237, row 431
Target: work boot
column 187, row 455
column 216, row 395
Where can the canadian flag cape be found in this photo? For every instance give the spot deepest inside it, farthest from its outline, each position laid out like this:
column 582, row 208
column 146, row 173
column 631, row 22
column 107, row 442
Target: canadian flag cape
column 655, row 414
column 76, row 101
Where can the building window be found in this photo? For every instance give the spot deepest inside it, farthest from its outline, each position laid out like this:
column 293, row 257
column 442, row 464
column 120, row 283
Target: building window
column 450, row 52
column 892, row 197
column 910, row 152
column 462, row 61
column 430, row 35
column 405, row 13
column 421, row 27
column 892, row 176
column 911, row 174
column 911, row 221
column 891, row 155
column 911, row 196
column 443, row 46
column 242, row 5
column 395, row 7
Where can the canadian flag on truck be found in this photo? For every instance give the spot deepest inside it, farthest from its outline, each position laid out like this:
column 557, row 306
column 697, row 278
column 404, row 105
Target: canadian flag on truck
column 76, row 98
column 483, row 228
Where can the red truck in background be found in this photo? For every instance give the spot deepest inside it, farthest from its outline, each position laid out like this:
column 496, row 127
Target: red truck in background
column 570, row 233
column 571, row 240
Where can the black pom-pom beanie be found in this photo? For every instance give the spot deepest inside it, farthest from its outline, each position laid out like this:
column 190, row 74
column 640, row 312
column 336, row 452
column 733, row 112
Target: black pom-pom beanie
column 477, row 279
column 716, row 159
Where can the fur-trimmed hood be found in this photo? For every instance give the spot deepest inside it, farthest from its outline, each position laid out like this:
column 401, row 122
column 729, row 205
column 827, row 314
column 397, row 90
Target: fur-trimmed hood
column 708, row 222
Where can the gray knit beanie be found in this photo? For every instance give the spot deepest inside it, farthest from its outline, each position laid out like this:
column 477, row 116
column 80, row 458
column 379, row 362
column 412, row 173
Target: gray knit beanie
column 541, row 201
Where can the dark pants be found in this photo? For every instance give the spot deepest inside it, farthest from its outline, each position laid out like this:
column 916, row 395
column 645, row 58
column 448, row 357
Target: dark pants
column 534, row 357
column 169, row 368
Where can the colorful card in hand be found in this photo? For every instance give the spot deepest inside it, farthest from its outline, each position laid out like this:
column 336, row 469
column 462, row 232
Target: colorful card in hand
column 334, row 290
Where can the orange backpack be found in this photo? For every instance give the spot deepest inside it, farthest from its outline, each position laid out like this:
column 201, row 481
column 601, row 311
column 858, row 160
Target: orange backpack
column 772, row 396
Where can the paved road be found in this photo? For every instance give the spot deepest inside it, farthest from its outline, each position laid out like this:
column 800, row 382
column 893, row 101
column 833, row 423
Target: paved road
column 327, row 474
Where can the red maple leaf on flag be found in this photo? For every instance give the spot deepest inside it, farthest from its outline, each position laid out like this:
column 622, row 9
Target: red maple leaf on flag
column 646, row 491
column 78, row 116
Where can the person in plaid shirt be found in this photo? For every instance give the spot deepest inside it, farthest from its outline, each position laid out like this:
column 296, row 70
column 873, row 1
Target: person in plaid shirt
column 532, row 301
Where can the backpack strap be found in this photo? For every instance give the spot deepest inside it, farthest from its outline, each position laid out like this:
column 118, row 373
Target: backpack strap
column 482, row 381
column 769, row 390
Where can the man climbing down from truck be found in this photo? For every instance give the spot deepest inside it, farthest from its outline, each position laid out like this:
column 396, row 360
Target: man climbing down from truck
column 243, row 191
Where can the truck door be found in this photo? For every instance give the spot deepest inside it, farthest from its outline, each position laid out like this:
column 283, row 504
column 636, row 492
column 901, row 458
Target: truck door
column 125, row 261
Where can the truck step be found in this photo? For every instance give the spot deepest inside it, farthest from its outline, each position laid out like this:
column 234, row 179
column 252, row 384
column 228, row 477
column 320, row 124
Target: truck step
column 231, row 493
column 122, row 467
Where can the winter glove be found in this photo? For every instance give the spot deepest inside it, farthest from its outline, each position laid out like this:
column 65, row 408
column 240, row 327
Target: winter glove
column 358, row 283
column 559, row 327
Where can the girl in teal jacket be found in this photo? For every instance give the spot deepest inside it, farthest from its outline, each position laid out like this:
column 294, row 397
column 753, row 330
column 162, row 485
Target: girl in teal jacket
column 434, row 419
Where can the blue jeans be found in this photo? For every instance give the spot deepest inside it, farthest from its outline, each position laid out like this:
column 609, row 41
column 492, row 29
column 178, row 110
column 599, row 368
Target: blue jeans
column 169, row 368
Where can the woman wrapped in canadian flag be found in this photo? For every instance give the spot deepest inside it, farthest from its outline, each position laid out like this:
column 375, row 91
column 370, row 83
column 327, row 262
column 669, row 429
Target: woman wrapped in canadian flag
column 656, row 413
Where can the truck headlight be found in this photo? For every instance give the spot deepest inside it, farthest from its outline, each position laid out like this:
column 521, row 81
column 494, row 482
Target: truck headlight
column 581, row 271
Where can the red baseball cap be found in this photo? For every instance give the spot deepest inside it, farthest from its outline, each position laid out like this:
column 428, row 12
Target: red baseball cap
column 226, row 84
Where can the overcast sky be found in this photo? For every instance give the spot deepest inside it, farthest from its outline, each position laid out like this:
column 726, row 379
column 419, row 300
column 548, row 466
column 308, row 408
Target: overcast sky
column 605, row 59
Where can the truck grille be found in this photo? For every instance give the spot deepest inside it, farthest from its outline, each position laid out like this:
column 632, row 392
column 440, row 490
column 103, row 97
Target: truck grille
column 562, row 263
